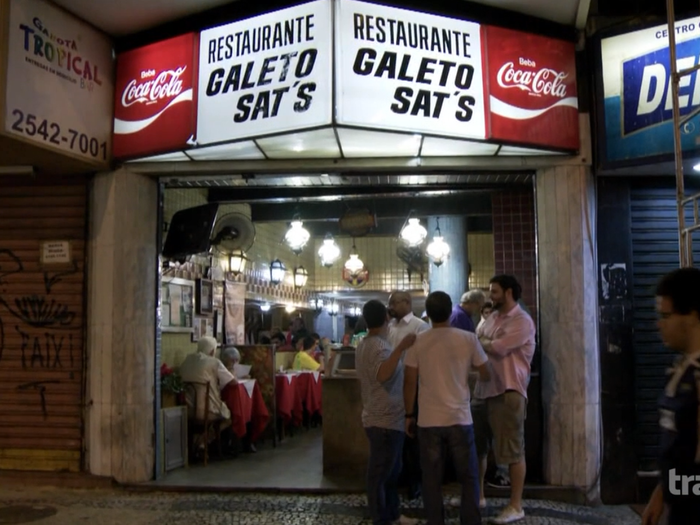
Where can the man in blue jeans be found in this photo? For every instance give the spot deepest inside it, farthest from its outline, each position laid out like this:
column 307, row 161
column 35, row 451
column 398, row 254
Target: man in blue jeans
column 380, row 371
column 441, row 360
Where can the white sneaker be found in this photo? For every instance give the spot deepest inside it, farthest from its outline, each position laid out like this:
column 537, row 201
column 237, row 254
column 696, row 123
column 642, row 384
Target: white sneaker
column 508, row 515
column 405, row 520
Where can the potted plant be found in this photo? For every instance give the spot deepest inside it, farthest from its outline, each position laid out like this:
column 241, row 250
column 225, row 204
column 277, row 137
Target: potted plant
column 170, row 386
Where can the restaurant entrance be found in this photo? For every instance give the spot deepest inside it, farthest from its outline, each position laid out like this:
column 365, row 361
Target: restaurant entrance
column 305, row 428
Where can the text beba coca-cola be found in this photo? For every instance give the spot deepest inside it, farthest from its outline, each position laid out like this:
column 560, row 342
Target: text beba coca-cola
column 165, row 86
column 545, row 81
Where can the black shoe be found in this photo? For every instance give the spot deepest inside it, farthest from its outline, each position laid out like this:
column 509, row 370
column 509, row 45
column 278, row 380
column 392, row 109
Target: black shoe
column 414, row 492
column 251, row 449
column 498, row 482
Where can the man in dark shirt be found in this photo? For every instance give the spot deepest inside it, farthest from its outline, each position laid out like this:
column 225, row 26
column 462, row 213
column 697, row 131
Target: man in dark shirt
column 468, row 308
column 678, row 307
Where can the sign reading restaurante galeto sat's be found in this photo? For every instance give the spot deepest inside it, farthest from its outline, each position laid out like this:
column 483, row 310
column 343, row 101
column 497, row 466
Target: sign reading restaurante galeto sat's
column 378, row 68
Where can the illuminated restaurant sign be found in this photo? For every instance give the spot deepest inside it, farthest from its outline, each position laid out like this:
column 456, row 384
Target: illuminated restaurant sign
column 266, row 75
column 401, row 72
column 282, row 85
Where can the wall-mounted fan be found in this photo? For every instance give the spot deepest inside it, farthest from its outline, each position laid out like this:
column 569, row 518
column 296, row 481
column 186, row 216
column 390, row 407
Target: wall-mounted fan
column 416, row 261
column 233, row 232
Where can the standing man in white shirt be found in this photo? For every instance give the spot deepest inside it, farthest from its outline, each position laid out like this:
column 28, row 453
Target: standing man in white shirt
column 440, row 361
column 403, row 323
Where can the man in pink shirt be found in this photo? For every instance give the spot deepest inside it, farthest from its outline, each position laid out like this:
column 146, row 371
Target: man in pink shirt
column 508, row 337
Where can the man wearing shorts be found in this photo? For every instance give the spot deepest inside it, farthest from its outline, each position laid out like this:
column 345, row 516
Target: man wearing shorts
column 508, row 337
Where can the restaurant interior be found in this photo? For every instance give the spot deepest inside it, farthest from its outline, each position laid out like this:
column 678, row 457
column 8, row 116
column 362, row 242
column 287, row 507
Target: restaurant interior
column 283, row 253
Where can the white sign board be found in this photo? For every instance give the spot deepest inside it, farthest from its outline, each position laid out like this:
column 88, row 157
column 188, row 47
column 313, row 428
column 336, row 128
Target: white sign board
column 266, row 75
column 59, row 81
column 407, row 71
column 56, row 252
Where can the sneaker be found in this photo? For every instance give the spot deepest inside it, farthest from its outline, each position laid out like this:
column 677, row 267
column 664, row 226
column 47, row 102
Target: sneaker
column 405, row 520
column 508, row 515
column 498, row 482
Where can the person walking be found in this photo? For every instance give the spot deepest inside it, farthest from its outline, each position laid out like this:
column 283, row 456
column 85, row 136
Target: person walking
column 678, row 491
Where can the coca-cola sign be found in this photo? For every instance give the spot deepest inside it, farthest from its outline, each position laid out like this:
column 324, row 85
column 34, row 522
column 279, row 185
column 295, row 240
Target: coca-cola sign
column 532, row 89
column 155, row 109
column 166, row 85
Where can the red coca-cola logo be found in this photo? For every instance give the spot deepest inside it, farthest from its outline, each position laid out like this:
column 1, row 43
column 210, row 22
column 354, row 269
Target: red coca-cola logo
column 532, row 95
column 545, row 81
column 166, row 85
column 154, row 102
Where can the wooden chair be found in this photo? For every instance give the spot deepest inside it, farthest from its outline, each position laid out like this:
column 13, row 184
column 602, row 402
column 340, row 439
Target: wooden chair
column 202, row 426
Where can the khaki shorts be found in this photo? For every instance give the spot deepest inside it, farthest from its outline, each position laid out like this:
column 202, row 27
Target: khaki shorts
column 501, row 420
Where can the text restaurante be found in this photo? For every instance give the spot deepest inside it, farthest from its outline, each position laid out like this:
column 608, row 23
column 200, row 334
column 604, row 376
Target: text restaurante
column 411, row 35
column 264, row 38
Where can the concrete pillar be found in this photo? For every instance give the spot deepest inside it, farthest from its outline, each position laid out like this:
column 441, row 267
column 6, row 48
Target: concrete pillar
column 452, row 276
column 566, row 224
column 121, row 333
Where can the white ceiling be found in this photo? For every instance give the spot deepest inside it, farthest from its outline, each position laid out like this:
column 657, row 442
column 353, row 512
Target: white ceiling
column 119, row 18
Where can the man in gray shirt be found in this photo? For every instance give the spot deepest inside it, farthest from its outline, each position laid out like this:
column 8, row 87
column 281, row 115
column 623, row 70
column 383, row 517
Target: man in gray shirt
column 380, row 371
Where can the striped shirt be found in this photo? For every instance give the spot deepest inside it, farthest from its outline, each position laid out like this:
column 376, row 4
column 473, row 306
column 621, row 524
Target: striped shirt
column 382, row 403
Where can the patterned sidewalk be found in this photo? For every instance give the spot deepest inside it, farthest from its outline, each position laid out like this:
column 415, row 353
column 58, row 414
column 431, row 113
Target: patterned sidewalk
column 63, row 507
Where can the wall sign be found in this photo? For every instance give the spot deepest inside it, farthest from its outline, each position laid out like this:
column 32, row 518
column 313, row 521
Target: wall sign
column 154, row 102
column 53, row 56
column 56, row 252
column 532, row 89
column 266, row 75
column 637, row 91
column 401, row 70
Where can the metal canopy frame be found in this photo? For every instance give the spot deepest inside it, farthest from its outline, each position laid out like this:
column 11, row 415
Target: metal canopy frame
column 685, row 232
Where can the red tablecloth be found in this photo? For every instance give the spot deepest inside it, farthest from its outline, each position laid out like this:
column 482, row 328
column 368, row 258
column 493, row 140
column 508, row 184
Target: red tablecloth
column 294, row 392
column 246, row 409
column 309, row 388
column 289, row 405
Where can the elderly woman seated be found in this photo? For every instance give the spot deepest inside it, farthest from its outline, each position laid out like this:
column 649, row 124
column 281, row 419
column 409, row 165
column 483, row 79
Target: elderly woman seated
column 230, row 357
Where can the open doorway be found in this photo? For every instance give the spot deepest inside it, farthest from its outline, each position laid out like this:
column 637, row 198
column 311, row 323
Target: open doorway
column 309, row 440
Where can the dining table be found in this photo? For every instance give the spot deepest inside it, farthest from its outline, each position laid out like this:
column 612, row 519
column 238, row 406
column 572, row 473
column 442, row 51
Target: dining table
column 246, row 404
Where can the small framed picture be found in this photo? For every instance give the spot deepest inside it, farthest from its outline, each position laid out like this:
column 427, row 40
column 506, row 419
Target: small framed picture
column 205, row 297
column 219, row 325
column 203, row 326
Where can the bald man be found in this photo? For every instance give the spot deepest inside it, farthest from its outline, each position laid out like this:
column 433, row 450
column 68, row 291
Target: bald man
column 402, row 324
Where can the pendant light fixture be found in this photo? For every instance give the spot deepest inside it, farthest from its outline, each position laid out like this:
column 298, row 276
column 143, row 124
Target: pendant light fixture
column 277, row 271
column 354, row 264
column 237, row 262
column 438, row 250
column 297, row 236
column 413, row 233
column 329, row 252
column 333, row 309
column 316, row 303
column 301, row 275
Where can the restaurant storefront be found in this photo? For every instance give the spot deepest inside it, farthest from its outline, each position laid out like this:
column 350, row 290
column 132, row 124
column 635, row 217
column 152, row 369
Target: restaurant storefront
column 349, row 94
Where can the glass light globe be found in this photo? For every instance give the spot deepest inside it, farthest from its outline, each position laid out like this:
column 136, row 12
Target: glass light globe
column 414, row 233
column 354, row 265
column 329, row 252
column 297, row 236
column 438, row 250
column 265, row 307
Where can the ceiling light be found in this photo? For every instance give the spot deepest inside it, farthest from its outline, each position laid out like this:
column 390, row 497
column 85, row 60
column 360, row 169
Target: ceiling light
column 237, row 262
column 301, row 275
column 297, row 236
column 265, row 307
column 438, row 250
column 333, row 308
column 316, row 303
column 413, row 233
column 329, row 252
column 277, row 271
column 354, row 264
column 289, row 308
column 697, row 167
